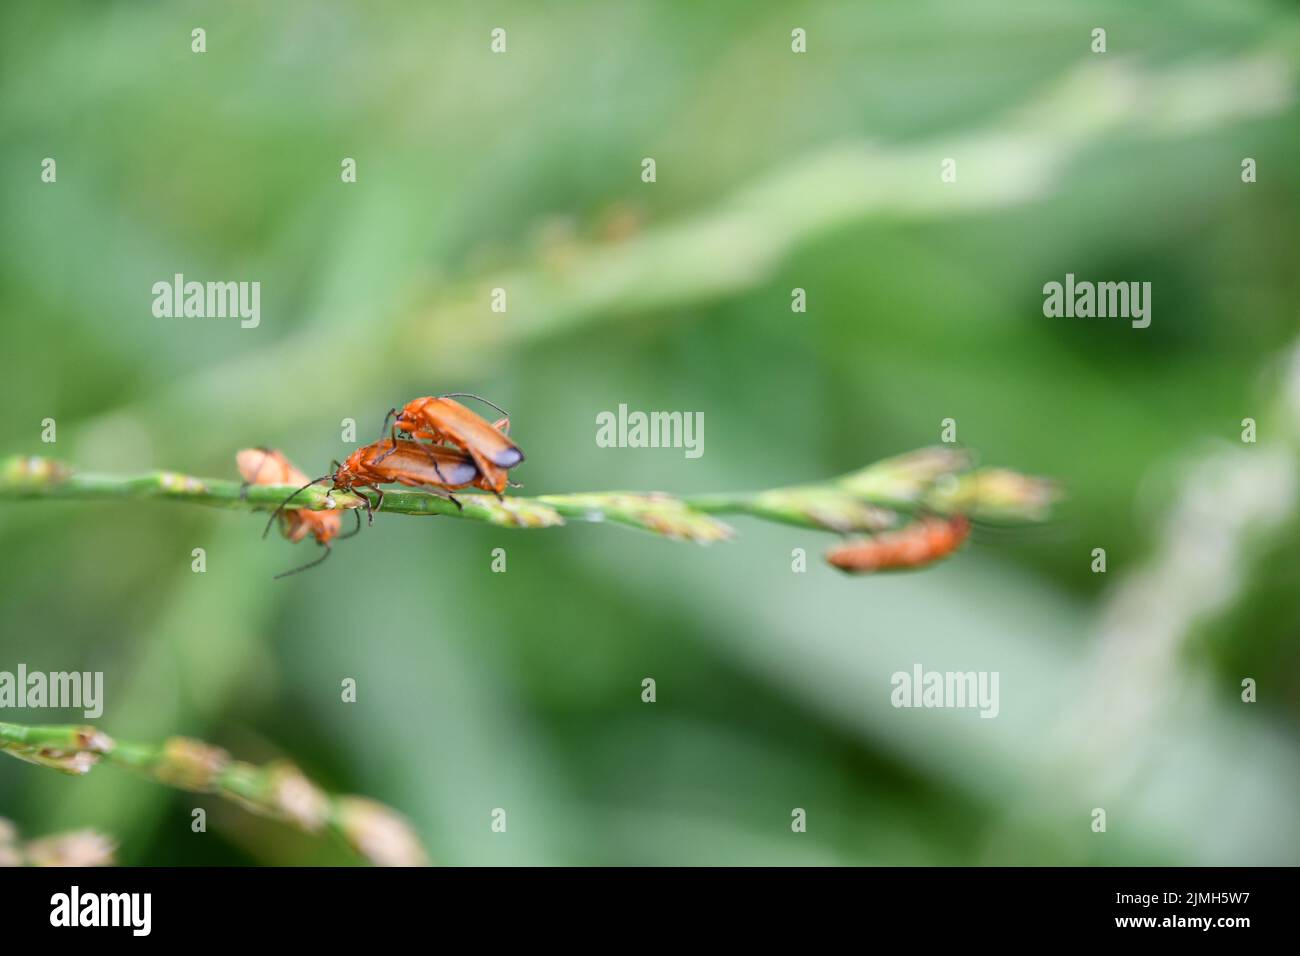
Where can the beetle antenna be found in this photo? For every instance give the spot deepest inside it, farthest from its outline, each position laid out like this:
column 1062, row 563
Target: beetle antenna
column 280, row 510
column 308, row 565
column 479, row 397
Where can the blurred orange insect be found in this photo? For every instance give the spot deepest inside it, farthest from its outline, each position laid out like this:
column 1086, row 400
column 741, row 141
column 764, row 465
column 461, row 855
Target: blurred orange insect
column 266, row 466
column 924, row 541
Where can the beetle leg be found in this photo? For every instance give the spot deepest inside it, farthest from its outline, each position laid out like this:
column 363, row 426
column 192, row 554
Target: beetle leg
column 392, row 412
column 436, row 469
column 357, row 530
column 393, row 437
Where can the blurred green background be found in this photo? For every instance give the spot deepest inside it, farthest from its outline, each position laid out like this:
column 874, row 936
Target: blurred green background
column 820, row 171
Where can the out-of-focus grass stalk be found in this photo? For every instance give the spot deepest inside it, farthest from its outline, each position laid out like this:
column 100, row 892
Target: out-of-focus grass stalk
column 881, row 496
column 279, row 790
column 75, row 848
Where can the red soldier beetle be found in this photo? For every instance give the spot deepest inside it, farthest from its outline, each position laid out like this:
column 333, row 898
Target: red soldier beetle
column 996, row 494
column 266, row 466
column 924, row 541
column 404, row 462
column 442, row 419
column 411, row 463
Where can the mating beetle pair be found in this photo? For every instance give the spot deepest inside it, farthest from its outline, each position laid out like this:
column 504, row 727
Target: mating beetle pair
column 446, row 447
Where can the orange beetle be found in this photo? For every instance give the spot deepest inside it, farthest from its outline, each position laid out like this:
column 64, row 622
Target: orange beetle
column 266, row 466
column 924, row 541
column 443, row 419
column 403, row 462
column 410, row 463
